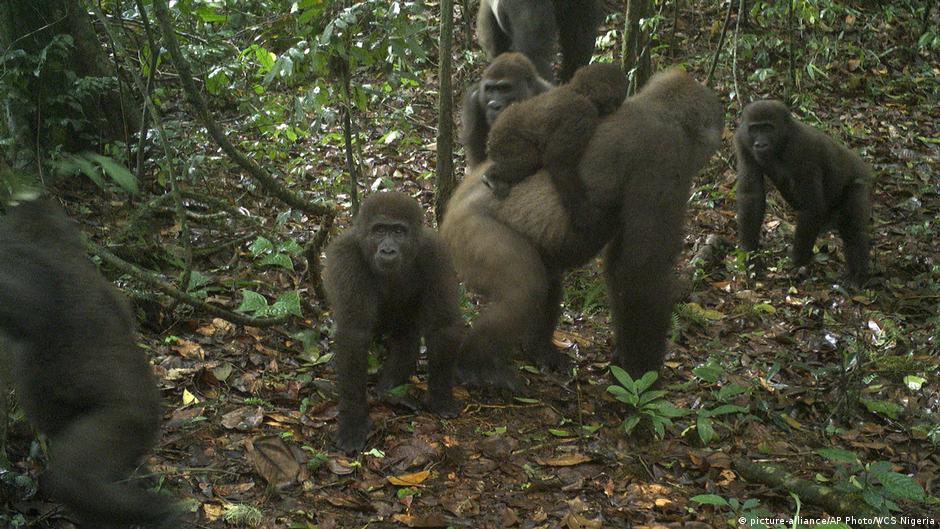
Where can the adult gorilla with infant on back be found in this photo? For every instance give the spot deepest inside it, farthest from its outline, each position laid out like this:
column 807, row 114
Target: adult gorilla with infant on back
column 636, row 174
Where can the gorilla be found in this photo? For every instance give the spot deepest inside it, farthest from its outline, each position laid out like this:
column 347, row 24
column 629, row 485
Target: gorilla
column 511, row 77
column 637, row 171
column 551, row 131
column 67, row 344
column 530, row 27
column 824, row 181
column 390, row 276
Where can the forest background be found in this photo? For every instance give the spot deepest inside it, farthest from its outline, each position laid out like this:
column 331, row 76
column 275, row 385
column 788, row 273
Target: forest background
column 211, row 148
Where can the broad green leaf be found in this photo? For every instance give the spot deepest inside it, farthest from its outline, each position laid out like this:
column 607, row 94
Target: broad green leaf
column 260, row 246
column 730, row 390
column 710, row 499
column 623, row 377
column 705, row 430
column 646, row 381
column 883, row 407
column 287, row 303
column 708, row 372
column 117, row 172
column 726, row 409
column 252, row 302
column 838, row 455
column 630, row 423
column 902, row 486
column 276, row 259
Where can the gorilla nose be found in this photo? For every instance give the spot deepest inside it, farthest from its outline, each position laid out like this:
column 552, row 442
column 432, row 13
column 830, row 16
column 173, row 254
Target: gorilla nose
column 495, row 105
column 761, row 145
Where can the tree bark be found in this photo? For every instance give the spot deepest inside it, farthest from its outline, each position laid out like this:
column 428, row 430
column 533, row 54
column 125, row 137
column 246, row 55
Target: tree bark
column 446, row 182
column 636, row 52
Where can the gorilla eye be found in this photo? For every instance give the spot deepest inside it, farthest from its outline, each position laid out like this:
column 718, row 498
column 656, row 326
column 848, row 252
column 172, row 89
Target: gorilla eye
column 399, row 230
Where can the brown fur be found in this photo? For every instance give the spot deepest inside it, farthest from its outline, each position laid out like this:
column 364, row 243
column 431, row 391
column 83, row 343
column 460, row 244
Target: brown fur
column 511, row 77
column 824, row 181
column 637, row 169
column 67, row 339
column 390, row 276
column 551, row 131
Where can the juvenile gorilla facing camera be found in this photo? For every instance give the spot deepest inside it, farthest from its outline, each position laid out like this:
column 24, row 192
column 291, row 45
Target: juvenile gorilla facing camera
column 67, row 340
column 825, row 182
column 390, row 276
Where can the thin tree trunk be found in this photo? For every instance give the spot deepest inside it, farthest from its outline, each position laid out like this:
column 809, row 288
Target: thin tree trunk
column 635, row 54
column 445, row 113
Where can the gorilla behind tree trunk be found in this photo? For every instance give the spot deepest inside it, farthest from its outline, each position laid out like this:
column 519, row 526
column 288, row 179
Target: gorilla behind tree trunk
column 534, row 27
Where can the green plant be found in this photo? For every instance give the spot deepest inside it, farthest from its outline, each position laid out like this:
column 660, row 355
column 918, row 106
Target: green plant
column 876, row 482
column 645, row 404
column 748, row 510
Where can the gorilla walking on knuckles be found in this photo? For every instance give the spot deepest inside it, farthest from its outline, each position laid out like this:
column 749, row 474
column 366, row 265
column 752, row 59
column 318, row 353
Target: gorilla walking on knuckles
column 530, row 27
column 67, row 340
column 551, row 131
column 390, row 276
column 637, row 171
column 824, row 181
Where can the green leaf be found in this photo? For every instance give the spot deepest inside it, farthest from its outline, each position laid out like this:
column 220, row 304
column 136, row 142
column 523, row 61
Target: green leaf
column 630, row 423
column 913, row 382
column 726, row 409
column 276, row 259
column 260, row 246
column 730, row 390
column 287, row 303
column 559, row 433
column 252, row 302
column 646, row 381
column 624, row 378
column 710, row 499
column 838, row 455
column 708, row 372
column 196, row 280
column 902, row 487
column 526, row 400
column 705, row 430
column 883, row 407
column 650, row 396
column 116, row 172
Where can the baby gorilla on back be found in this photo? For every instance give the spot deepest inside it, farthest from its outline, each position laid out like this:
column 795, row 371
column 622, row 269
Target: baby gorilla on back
column 389, row 276
column 551, row 131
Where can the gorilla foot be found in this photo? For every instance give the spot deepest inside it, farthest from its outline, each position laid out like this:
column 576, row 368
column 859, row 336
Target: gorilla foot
column 548, row 358
column 443, row 407
column 490, row 375
column 352, row 436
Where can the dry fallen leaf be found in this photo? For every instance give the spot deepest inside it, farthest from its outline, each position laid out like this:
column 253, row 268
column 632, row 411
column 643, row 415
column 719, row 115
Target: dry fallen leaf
column 566, row 460
column 409, row 480
column 274, row 461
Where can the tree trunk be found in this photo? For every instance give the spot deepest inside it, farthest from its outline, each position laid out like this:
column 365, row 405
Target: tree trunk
column 39, row 109
column 636, row 52
column 445, row 116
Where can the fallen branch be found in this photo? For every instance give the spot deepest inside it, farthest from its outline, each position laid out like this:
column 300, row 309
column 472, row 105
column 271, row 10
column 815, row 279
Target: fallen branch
column 157, row 282
column 833, row 501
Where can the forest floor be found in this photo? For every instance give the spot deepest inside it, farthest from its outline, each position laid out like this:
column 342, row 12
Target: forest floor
column 807, row 366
